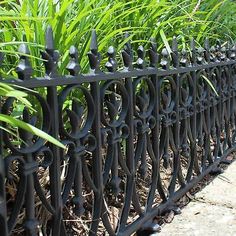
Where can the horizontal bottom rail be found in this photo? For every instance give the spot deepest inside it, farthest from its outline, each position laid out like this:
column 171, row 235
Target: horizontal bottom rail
column 180, row 193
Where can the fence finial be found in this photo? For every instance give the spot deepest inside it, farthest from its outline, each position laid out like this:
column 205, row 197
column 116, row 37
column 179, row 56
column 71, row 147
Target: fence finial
column 207, row 44
column 200, row 55
column 50, row 55
column 174, row 54
column 165, row 59
column 94, row 43
column 73, row 66
column 212, row 54
column 141, row 57
column 127, row 54
column 94, row 56
column 193, row 51
column 49, row 39
column 128, row 47
column 228, row 50
column 218, row 44
column 192, row 44
column 174, row 44
column 207, row 50
column 111, row 64
column 24, row 69
column 223, row 53
column 184, row 58
column 153, row 53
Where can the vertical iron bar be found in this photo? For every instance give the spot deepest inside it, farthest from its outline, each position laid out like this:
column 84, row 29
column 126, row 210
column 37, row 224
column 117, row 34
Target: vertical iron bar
column 127, row 56
column 156, row 180
column 31, row 222
column 54, row 170
column 193, row 144
column 129, row 155
column 97, row 159
column 176, row 126
column 94, row 61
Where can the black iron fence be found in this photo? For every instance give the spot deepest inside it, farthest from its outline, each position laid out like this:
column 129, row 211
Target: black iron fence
column 137, row 138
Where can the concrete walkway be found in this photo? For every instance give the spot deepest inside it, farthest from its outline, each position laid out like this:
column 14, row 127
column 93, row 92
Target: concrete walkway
column 212, row 212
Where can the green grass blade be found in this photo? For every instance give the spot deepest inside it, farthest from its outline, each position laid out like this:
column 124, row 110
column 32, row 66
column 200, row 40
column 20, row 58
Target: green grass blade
column 29, row 128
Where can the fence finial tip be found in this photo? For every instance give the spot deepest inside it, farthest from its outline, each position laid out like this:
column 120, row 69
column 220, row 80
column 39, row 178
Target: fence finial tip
column 49, row 38
column 73, row 52
column 192, row 44
column 174, row 44
column 207, row 44
column 126, row 35
column 153, row 44
column 94, row 43
column 23, row 48
column 111, row 64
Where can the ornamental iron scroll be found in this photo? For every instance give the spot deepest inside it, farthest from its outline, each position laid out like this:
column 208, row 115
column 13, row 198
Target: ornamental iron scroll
column 138, row 136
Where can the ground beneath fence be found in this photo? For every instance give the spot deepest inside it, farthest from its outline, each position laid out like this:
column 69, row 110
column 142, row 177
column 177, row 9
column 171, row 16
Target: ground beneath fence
column 212, row 211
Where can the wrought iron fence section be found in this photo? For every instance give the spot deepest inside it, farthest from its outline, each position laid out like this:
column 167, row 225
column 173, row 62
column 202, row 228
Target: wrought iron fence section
column 137, row 138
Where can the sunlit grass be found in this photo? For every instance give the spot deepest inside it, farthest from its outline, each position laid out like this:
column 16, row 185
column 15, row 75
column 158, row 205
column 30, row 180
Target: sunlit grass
column 73, row 20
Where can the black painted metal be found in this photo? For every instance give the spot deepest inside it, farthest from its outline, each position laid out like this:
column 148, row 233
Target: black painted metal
column 122, row 130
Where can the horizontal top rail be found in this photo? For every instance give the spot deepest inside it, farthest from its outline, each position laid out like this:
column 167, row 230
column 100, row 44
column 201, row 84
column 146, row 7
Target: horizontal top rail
column 60, row 80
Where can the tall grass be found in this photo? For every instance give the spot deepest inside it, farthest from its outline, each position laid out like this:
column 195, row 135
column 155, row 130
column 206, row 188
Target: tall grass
column 14, row 123
column 72, row 21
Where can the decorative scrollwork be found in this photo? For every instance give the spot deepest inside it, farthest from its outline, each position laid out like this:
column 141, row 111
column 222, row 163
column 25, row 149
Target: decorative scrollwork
column 33, row 143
